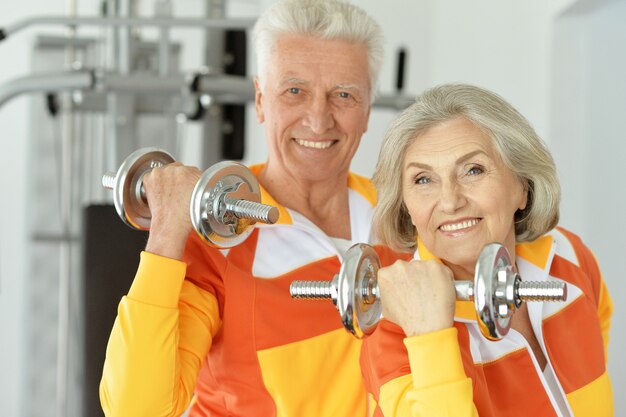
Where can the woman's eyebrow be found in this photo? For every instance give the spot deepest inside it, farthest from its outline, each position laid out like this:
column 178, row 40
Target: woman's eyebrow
column 460, row 160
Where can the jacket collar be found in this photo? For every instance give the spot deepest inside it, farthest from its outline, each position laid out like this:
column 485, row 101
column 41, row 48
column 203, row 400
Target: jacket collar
column 362, row 200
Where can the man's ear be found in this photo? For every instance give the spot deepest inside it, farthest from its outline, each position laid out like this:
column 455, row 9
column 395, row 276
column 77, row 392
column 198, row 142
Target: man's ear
column 258, row 101
column 369, row 111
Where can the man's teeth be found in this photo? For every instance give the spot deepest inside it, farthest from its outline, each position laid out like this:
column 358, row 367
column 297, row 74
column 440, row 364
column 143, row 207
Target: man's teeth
column 315, row 144
column 458, row 226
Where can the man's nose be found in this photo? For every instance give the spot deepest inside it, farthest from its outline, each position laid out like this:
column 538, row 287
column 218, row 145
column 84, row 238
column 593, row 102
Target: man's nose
column 319, row 117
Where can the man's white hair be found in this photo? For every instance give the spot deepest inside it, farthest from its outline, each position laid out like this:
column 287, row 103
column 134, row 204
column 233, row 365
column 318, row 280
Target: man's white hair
column 324, row 19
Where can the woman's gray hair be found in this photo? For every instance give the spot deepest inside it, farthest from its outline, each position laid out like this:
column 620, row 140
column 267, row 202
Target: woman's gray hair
column 514, row 138
column 324, row 19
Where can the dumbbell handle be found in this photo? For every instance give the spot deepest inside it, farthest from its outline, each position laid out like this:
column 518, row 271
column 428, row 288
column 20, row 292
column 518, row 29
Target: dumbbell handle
column 108, row 182
column 258, row 212
column 315, row 290
column 525, row 290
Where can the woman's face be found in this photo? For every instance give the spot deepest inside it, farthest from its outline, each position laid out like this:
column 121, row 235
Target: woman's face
column 459, row 193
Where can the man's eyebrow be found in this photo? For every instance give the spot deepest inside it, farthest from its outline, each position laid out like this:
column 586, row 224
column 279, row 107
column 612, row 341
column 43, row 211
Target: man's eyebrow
column 347, row 87
column 298, row 81
column 292, row 80
column 460, row 160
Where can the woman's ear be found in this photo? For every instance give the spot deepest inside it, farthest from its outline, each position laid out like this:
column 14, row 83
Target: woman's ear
column 524, row 197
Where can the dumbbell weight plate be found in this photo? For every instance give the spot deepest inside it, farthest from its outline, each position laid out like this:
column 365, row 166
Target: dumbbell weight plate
column 493, row 263
column 224, row 179
column 359, row 314
column 129, row 203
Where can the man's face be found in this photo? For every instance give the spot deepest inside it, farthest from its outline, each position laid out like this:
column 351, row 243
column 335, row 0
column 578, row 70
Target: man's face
column 314, row 100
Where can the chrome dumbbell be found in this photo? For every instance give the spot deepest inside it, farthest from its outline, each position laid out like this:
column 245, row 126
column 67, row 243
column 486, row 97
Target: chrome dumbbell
column 129, row 197
column 497, row 291
column 225, row 203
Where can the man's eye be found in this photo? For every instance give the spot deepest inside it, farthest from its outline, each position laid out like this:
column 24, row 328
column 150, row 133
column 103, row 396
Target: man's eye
column 344, row 94
column 294, row 90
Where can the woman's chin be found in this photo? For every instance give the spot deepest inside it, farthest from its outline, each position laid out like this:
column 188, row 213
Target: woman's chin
column 462, row 262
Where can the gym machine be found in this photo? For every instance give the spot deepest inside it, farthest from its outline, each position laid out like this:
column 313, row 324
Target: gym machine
column 497, row 291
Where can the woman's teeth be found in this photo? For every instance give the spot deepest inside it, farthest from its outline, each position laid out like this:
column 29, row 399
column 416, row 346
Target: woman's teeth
column 458, row 226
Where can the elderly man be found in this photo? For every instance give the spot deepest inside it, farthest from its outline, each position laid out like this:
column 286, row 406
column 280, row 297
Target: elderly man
column 219, row 325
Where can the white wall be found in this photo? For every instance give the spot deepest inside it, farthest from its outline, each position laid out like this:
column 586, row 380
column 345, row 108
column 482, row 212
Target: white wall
column 14, row 125
column 589, row 98
column 560, row 64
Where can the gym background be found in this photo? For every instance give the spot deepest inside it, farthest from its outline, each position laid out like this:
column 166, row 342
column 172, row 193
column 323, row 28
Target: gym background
column 561, row 63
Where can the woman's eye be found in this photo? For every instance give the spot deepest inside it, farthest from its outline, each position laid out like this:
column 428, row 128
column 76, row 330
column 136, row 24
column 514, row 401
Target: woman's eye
column 422, row 180
column 475, row 170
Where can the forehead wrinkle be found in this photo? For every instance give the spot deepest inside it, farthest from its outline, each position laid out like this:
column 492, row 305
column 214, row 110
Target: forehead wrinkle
column 438, row 145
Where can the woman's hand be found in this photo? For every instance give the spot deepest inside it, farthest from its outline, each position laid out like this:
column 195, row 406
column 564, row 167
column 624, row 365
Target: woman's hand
column 168, row 190
column 419, row 296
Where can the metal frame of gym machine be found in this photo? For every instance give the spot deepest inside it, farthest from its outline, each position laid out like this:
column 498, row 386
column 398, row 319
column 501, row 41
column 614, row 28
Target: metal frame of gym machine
column 121, row 93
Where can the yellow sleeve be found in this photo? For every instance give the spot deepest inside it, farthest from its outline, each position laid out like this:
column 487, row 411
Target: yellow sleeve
column 161, row 335
column 437, row 385
column 605, row 311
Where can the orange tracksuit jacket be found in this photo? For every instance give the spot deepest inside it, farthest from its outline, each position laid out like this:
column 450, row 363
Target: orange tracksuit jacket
column 222, row 326
column 456, row 372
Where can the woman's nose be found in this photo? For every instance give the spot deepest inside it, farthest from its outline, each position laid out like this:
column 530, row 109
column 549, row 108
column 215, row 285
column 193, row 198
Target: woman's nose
column 452, row 197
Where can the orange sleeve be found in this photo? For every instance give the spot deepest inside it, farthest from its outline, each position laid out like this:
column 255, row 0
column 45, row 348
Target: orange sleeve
column 437, row 375
column 161, row 335
column 416, row 376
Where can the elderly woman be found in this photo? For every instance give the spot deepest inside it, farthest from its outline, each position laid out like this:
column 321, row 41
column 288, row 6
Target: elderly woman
column 459, row 169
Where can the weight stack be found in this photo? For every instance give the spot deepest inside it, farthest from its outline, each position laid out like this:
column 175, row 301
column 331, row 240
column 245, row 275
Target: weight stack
column 110, row 259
